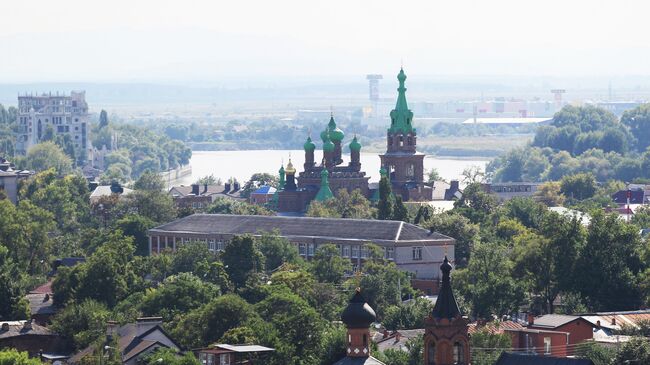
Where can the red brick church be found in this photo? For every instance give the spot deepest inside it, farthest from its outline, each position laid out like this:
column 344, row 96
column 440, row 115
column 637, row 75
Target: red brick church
column 319, row 181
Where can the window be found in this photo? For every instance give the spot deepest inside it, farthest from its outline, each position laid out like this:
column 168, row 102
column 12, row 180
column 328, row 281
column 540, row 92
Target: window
column 220, row 245
column 310, row 249
column 459, row 353
column 224, row 359
column 302, row 249
column 417, row 253
column 212, row 245
column 431, row 353
column 355, row 251
column 364, row 251
column 346, row 251
column 390, row 253
column 547, row 345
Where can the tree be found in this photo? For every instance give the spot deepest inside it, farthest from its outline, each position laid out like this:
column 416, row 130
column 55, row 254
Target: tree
column 476, row 204
column 81, row 323
column 407, row 316
column 156, row 206
column 13, row 305
column 103, row 119
column 383, row 285
column 386, row 199
column 433, row 175
column 258, row 179
column 223, row 205
column 638, row 120
column 492, row 344
column 328, row 265
column 14, row 357
column 579, row 186
column 293, row 317
column 149, row 181
column 400, row 213
column 209, row 180
column 210, row 322
column 608, row 265
column 136, row 226
column 461, row 229
column 277, row 251
column 241, row 259
column 550, row 194
column 635, row 351
column 344, row 205
column 166, row 356
column 176, row 295
column 487, row 282
column 48, row 155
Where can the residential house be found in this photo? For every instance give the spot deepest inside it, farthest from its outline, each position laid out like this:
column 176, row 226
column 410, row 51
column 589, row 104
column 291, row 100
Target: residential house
column 103, row 191
column 134, row 341
column 9, row 179
column 263, row 195
column 576, row 328
column 28, row 336
column 199, row 197
column 223, row 354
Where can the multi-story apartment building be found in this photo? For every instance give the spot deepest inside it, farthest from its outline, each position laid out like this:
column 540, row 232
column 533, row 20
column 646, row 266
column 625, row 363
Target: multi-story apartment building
column 63, row 114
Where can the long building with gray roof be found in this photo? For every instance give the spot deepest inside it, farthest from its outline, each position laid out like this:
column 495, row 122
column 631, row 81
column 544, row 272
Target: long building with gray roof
column 412, row 248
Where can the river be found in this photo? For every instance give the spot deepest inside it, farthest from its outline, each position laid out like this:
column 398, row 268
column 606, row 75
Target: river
column 242, row 164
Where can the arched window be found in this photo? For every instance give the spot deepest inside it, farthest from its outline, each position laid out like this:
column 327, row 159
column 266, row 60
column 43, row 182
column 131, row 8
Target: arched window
column 390, row 141
column 459, row 353
column 410, row 170
column 431, row 353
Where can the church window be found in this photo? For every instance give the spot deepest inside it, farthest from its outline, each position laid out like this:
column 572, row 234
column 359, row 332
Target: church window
column 410, row 170
column 390, row 141
column 459, row 354
column 431, row 353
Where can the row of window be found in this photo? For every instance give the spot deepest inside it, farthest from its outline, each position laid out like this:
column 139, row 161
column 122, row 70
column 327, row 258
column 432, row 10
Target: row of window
column 458, row 352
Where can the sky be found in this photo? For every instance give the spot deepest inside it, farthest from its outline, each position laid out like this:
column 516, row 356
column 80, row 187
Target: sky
column 211, row 40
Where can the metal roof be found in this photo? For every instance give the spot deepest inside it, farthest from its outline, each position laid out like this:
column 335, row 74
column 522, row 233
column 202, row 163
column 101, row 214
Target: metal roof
column 553, row 320
column 245, row 348
column 325, row 228
column 507, row 358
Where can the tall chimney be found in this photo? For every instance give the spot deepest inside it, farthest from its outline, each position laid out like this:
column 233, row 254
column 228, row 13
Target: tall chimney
column 531, row 319
column 205, row 188
column 111, row 329
column 195, row 189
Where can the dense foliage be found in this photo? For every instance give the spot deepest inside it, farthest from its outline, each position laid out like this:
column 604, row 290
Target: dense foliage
column 582, row 140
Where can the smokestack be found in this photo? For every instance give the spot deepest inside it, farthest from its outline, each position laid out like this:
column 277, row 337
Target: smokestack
column 531, row 319
column 111, row 329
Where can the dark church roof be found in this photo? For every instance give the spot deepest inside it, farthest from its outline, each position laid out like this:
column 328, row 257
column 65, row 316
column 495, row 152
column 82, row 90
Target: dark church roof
column 446, row 306
column 521, row 359
column 339, row 228
column 358, row 314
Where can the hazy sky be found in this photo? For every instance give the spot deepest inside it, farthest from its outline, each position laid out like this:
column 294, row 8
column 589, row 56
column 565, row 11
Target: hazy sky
column 196, row 40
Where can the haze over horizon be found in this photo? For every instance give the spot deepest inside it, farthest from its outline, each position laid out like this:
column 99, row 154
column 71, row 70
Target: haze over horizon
column 202, row 41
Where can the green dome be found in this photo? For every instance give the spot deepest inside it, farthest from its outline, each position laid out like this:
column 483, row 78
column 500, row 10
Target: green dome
column 383, row 172
column 325, row 135
column 355, row 145
column 336, row 134
column 309, row 145
column 328, row 146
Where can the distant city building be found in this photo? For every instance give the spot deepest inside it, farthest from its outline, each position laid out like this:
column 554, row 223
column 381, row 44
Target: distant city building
column 62, row 114
column 9, row 178
column 199, row 197
column 509, row 190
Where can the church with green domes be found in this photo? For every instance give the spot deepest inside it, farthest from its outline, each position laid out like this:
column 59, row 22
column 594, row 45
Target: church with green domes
column 320, row 180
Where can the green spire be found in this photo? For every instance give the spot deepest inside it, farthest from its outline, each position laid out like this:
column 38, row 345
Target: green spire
column 355, row 145
column 281, row 182
column 325, row 192
column 401, row 117
column 309, row 145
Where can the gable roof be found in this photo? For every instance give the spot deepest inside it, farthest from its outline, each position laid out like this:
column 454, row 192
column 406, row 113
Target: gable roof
column 507, row 358
column 23, row 328
column 554, row 320
column 328, row 228
column 41, row 303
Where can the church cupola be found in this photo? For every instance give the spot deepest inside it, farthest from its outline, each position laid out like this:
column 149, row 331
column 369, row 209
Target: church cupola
column 290, row 184
column 309, row 147
column 328, row 150
column 401, row 134
column 355, row 154
column 324, row 193
column 446, row 341
column 357, row 317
